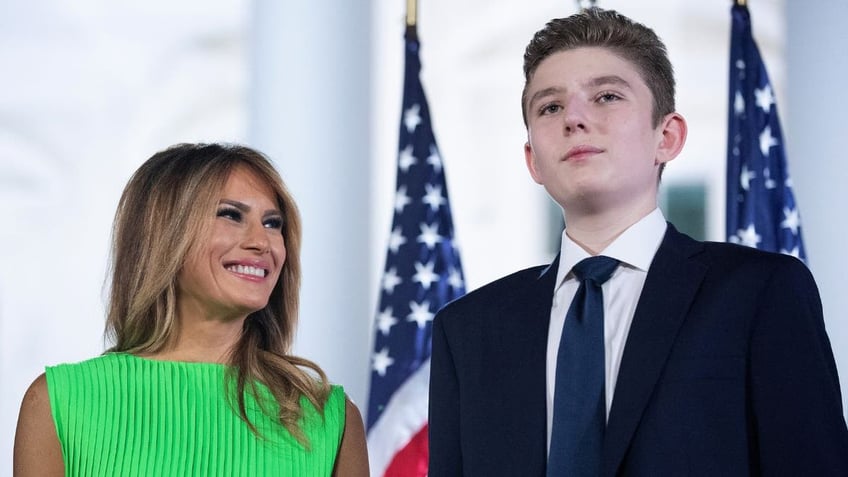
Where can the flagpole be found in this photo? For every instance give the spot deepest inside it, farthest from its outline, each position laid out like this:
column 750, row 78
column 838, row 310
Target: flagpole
column 583, row 5
column 411, row 19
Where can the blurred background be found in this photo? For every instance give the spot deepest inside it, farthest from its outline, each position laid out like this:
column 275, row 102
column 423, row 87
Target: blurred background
column 89, row 89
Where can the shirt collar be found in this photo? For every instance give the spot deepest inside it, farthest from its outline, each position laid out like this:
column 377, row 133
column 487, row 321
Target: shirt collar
column 635, row 247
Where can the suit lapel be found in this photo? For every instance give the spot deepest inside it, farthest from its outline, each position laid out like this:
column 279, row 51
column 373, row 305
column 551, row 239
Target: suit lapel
column 527, row 360
column 671, row 284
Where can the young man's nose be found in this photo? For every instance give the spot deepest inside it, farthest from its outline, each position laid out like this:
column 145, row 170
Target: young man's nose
column 574, row 117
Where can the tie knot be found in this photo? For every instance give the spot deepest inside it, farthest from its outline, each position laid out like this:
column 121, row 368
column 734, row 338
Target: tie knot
column 598, row 269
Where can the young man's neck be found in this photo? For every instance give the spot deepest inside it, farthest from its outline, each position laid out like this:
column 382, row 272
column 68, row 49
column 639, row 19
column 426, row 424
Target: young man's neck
column 594, row 231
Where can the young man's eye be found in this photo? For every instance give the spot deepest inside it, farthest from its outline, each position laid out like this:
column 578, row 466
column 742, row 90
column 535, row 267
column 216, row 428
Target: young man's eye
column 229, row 213
column 550, row 109
column 608, row 97
column 273, row 223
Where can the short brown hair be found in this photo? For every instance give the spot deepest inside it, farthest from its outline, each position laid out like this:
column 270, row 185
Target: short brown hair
column 596, row 27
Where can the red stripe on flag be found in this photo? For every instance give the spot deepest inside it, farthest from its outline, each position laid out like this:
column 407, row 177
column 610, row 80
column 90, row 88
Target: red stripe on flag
column 411, row 460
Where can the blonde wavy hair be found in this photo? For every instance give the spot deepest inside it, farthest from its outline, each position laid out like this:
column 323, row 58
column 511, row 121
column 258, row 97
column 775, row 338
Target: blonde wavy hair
column 163, row 212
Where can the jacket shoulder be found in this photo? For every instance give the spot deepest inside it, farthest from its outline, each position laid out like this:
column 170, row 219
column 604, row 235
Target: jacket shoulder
column 724, row 257
column 500, row 292
column 733, row 257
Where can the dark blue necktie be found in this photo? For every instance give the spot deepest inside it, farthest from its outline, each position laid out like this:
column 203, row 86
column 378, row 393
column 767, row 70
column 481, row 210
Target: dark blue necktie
column 579, row 403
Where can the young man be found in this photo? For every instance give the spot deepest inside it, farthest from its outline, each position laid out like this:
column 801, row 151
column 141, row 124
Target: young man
column 712, row 358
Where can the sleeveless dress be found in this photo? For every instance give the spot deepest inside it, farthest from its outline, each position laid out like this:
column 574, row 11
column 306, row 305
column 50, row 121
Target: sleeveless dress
column 122, row 415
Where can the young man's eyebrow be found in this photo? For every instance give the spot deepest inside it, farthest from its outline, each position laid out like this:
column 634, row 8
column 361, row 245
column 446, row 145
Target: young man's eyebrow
column 544, row 92
column 609, row 80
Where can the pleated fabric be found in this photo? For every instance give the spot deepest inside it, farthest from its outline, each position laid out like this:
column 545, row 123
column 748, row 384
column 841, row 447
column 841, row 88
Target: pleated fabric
column 122, row 415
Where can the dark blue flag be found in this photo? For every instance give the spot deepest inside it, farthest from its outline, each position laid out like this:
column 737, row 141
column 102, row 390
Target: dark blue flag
column 761, row 208
column 422, row 273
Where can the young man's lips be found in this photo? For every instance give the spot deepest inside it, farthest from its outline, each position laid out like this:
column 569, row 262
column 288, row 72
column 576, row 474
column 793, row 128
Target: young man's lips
column 582, row 150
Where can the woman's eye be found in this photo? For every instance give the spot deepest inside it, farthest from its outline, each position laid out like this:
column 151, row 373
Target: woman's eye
column 274, row 223
column 229, row 213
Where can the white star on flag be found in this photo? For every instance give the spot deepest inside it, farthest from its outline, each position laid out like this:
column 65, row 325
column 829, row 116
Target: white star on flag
column 764, row 98
column 767, row 141
column 391, row 280
column 770, row 183
column 433, row 197
column 385, row 321
column 455, row 279
column 434, row 159
column 401, row 199
column 420, row 313
column 382, row 361
column 795, row 252
column 396, row 239
column 748, row 236
column 412, row 117
column 746, row 176
column 791, row 220
column 739, row 104
column 406, row 159
column 424, row 274
column 429, row 235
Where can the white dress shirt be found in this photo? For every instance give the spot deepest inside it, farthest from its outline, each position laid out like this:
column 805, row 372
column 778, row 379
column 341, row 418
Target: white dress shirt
column 635, row 249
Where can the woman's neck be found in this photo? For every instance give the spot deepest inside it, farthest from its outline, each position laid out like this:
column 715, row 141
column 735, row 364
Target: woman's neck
column 207, row 341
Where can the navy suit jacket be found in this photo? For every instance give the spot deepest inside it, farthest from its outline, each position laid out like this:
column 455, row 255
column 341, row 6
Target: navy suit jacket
column 727, row 371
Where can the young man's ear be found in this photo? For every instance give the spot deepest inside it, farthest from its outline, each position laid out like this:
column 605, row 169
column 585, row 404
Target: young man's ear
column 530, row 159
column 672, row 136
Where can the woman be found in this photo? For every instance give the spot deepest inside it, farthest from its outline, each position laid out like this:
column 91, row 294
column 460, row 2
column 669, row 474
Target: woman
column 203, row 302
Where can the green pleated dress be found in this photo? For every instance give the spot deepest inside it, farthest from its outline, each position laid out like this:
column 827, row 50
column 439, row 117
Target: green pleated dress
column 122, row 415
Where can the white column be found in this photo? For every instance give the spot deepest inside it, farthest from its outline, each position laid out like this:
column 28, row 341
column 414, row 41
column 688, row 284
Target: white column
column 309, row 111
column 815, row 120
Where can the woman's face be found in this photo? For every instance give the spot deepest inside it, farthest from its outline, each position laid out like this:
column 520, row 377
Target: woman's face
column 232, row 271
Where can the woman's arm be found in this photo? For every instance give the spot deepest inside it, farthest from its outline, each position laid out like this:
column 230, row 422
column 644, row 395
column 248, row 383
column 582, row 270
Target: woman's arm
column 37, row 449
column 352, row 460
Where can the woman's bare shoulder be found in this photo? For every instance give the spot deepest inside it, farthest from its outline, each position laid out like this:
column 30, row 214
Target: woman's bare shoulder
column 37, row 449
column 352, row 459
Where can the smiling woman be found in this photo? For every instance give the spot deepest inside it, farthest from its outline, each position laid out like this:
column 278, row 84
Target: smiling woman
column 203, row 304
column 234, row 270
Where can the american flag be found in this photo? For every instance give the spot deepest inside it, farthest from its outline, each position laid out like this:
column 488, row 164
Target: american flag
column 422, row 273
column 761, row 209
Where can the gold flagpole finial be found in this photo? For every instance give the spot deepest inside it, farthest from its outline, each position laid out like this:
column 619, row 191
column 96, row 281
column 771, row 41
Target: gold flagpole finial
column 741, row 3
column 412, row 20
column 585, row 4
column 411, row 13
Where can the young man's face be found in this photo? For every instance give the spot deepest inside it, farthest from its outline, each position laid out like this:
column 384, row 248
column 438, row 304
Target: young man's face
column 591, row 139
